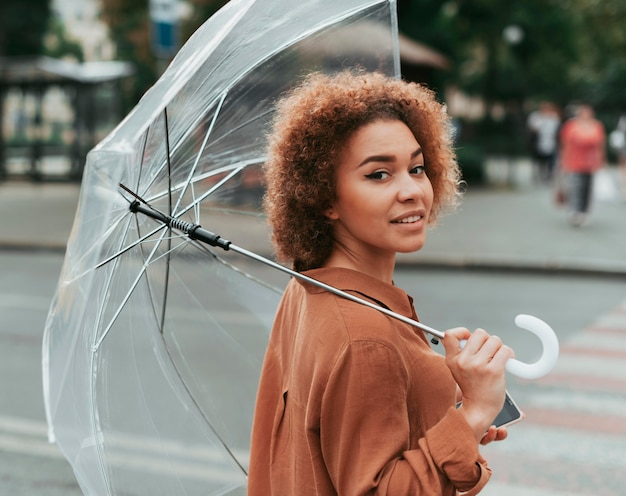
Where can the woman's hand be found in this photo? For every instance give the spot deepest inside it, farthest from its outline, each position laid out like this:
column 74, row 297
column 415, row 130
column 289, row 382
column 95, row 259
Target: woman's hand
column 478, row 369
column 494, row 434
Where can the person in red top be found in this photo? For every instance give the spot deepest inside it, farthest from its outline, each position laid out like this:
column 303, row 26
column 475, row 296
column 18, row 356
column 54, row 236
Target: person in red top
column 350, row 401
column 582, row 153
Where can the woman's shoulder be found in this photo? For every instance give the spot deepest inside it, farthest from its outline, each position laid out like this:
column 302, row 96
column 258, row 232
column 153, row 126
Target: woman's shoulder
column 324, row 312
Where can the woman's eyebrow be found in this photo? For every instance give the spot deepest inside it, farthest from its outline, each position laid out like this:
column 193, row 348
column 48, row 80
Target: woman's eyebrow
column 388, row 158
column 417, row 152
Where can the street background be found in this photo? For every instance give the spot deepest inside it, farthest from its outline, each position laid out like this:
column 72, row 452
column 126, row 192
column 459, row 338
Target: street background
column 72, row 69
column 507, row 250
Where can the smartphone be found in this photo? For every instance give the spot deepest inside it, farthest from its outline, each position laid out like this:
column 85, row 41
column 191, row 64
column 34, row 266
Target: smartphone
column 510, row 413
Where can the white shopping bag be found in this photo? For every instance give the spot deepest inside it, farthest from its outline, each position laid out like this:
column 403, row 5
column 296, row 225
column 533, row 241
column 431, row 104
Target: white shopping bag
column 605, row 187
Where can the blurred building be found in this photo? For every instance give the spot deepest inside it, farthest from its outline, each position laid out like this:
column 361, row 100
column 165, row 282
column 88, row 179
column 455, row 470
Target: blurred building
column 52, row 112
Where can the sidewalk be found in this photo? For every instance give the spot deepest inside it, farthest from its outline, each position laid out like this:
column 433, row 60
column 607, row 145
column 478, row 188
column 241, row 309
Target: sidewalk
column 496, row 227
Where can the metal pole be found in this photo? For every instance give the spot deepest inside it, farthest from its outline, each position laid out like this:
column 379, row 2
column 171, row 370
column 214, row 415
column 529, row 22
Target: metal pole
column 194, row 231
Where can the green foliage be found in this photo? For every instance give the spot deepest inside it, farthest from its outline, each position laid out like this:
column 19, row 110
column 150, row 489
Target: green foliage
column 569, row 49
column 57, row 43
column 503, row 69
column 201, row 11
column 471, row 159
column 600, row 77
column 129, row 27
column 23, row 24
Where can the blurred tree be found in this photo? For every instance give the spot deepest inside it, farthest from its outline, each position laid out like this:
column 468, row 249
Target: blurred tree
column 430, row 22
column 600, row 77
column 129, row 27
column 22, row 26
column 58, row 45
column 201, row 11
column 505, row 53
column 560, row 50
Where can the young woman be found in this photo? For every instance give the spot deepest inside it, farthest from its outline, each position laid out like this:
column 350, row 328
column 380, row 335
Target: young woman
column 350, row 401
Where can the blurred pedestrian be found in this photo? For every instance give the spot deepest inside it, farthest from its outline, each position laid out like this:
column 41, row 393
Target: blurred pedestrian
column 543, row 127
column 582, row 154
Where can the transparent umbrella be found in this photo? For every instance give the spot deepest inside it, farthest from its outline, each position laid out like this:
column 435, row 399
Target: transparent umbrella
column 154, row 342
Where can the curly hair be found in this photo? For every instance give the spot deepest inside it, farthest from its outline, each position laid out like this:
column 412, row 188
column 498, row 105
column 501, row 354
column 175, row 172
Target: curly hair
column 312, row 124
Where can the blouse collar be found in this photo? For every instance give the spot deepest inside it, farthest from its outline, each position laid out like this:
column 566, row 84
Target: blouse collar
column 352, row 281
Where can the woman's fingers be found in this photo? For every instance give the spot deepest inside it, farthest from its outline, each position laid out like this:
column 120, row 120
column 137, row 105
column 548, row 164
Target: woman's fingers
column 488, row 348
column 494, row 434
column 482, row 343
column 452, row 340
column 502, row 356
column 479, row 347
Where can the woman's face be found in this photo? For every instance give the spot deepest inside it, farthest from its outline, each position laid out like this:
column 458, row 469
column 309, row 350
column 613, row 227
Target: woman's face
column 383, row 195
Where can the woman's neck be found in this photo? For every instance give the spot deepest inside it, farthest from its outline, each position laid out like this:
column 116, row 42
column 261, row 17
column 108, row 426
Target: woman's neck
column 379, row 266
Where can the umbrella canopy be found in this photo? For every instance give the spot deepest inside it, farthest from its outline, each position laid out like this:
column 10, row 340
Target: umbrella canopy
column 154, row 343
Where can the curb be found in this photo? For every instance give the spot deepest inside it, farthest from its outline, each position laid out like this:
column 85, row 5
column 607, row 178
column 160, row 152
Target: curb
column 540, row 267
column 518, row 267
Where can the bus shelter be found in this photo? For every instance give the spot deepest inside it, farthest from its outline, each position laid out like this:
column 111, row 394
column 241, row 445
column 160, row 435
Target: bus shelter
column 52, row 112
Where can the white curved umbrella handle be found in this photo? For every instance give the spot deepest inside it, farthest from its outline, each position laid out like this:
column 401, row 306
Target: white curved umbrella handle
column 550, row 354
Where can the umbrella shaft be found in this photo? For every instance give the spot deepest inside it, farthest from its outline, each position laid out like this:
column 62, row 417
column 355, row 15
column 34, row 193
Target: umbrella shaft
column 331, row 289
column 195, row 231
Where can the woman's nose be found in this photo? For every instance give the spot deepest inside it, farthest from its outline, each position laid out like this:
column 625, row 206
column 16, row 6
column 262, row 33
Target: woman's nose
column 410, row 187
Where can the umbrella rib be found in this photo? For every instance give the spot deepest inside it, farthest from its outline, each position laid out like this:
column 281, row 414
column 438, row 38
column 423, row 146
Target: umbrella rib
column 204, row 247
column 95, row 348
column 139, row 241
column 197, row 201
column 234, row 171
column 151, row 259
column 130, row 246
column 144, row 148
column 169, row 238
column 167, row 350
column 202, row 148
column 204, row 416
column 142, row 271
column 99, row 342
column 237, row 167
column 163, row 226
column 190, row 128
column 180, row 376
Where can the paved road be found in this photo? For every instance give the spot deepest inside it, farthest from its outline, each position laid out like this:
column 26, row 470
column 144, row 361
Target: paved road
column 576, row 416
column 581, row 404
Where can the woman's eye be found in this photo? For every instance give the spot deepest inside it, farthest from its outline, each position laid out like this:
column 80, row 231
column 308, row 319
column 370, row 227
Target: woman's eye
column 377, row 175
column 418, row 169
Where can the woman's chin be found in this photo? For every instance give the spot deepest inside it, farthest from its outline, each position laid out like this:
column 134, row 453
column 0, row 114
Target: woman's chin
column 412, row 248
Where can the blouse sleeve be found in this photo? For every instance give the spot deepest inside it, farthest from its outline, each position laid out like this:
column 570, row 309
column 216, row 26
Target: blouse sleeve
column 364, row 430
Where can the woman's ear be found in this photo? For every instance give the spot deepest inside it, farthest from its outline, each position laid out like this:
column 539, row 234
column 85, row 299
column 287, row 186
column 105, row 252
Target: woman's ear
column 331, row 213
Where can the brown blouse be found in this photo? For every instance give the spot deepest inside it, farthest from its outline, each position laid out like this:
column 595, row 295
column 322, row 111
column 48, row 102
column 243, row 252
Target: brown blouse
column 352, row 402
